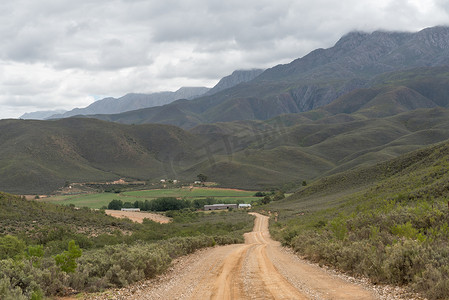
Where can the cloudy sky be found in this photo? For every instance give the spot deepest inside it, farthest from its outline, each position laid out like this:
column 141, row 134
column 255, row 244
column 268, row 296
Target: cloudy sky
column 61, row 54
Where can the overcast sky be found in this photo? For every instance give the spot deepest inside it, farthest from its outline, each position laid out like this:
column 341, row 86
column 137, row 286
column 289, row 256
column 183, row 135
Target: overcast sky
column 61, row 54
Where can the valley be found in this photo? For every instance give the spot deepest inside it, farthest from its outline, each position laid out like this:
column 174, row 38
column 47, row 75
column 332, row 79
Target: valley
column 101, row 200
column 342, row 154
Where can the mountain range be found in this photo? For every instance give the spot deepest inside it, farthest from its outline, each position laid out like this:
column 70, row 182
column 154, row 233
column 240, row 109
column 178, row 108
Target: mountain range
column 135, row 101
column 307, row 83
column 41, row 115
column 368, row 99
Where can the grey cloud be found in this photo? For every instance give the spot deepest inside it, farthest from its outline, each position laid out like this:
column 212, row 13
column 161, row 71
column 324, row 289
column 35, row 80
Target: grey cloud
column 71, row 49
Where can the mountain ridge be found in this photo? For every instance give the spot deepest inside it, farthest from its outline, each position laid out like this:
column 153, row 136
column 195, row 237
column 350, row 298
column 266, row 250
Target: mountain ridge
column 133, row 101
column 312, row 81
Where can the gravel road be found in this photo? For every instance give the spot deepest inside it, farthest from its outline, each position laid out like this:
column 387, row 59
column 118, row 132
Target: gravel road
column 258, row 269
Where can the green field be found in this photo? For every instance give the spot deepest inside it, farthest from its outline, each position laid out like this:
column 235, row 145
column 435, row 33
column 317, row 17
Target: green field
column 98, row 200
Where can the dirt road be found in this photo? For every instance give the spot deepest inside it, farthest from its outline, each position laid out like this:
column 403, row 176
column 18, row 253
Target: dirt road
column 258, row 269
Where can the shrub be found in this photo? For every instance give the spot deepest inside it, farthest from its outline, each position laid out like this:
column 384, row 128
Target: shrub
column 11, row 247
column 120, row 265
column 279, row 195
column 8, row 292
column 404, row 260
column 339, row 228
column 31, row 280
column 67, row 260
column 434, row 281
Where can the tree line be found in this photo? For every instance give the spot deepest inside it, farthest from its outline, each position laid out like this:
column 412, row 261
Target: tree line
column 163, row 204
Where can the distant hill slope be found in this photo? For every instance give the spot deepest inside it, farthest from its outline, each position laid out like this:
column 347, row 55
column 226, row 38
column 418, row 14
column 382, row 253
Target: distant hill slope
column 309, row 82
column 40, row 156
column 40, row 115
column 133, row 101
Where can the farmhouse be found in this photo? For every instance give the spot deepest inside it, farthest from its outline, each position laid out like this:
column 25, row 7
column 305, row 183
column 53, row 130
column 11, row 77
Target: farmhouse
column 244, row 205
column 130, row 209
column 220, row 206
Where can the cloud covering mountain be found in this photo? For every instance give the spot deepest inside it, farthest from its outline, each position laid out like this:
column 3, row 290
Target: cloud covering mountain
column 65, row 54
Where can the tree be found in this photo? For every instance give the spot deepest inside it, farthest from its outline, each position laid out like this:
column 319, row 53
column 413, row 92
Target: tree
column 260, row 194
column 128, row 205
column 115, row 204
column 66, row 261
column 199, row 203
column 35, row 254
column 266, row 200
column 279, row 195
column 201, row 177
column 168, row 203
column 304, row 183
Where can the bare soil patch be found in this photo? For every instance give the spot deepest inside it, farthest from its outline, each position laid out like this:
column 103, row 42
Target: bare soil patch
column 138, row 216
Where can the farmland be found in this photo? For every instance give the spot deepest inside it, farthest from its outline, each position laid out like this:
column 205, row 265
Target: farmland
column 99, row 200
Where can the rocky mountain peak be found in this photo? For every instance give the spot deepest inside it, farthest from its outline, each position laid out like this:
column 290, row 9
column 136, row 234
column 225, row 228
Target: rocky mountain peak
column 351, row 40
column 434, row 37
column 237, row 77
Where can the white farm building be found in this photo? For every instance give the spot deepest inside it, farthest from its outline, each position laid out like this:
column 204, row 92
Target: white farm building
column 226, row 206
column 220, row 206
column 130, row 209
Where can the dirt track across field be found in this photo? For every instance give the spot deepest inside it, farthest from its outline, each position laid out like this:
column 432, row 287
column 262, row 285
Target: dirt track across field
column 138, row 216
column 258, row 269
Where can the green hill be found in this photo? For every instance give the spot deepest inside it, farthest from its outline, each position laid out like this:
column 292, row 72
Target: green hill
column 387, row 222
column 41, row 156
column 271, row 154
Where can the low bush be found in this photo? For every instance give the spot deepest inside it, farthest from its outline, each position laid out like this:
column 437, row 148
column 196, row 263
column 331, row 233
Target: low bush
column 394, row 231
column 61, row 259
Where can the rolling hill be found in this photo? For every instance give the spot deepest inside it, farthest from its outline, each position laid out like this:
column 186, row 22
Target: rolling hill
column 40, row 156
column 387, row 222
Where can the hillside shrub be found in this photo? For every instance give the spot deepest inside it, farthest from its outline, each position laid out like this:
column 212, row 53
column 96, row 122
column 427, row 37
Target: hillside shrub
column 10, row 247
column 395, row 231
column 404, row 261
column 67, row 260
column 9, row 292
column 120, row 265
column 43, row 257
